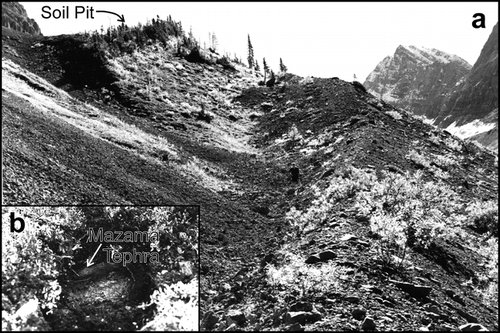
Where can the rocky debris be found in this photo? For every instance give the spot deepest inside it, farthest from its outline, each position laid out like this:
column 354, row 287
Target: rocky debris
column 296, row 327
column 209, row 320
column 395, row 169
column 470, row 318
column 302, row 317
column 266, row 106
column 14, row 16
column 296, row 317
column 360, row 87
column 432, row 308
column 302, row 306
column 269, row 258
column 473, row 327
column 327, row 255
column 358, row 314
column 413, row 290
column 262, row 210
column 385, row 302
column 233, row 328
column 313, row 259
column 348, row 237
column 455, row 296
column 327, row 173
column 235, row 317
column 352, row 299
column 204, row 116
column 372, row 289
column 29, row 316
column 323, row 256
column 368, row 324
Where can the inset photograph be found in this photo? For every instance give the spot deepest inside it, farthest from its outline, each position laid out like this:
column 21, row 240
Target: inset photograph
column 100, row 268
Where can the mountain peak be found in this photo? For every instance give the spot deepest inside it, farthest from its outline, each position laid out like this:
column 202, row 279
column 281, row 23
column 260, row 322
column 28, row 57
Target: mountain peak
column 441, row 86
column 431, row 55
column 14, row 16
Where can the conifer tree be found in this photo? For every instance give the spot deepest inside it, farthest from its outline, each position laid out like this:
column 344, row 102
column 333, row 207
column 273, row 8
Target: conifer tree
column 282, row 66
column 250, row 54
column 266, row 68
column 214, row 41
column 257, row 67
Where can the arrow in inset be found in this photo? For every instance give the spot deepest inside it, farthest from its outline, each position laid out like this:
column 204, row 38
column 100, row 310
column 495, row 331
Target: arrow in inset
column 89, row 262
column 121, row 17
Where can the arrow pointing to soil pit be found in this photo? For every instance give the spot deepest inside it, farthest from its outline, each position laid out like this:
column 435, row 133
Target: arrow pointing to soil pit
column 121, row 17
column 89, row 262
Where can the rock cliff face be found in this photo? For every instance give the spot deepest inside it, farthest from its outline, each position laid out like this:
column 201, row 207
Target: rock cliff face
column 477, row 96
column 444, row 88
column 417, row 79
column 14, row 16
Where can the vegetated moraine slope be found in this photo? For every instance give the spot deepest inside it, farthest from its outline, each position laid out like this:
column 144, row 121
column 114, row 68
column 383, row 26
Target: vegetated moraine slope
column 331, row 129
column 258, row 228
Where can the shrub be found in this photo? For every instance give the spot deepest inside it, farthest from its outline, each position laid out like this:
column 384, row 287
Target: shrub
column 488, row 284
column 195, row 56
column 346, row 184
column 484, row 216
column 226, row 64
column 176, row 307
column 403, row 209
column 33, row 259
column 124, row 39
column 407, row 211
column 301, row 279
column 418, row 158
column 394, row 114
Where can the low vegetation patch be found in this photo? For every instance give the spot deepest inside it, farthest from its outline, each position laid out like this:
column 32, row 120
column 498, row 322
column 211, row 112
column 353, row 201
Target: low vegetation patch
column 403, row 209
column 293, row 277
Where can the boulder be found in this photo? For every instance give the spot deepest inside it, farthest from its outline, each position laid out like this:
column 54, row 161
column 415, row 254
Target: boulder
column 472, row 327
column 413, row 290
column 359, row 86
column 368, row 324
column 301, row 306
column 266, row 106
column 296, row 317
column 327, row 255
column 209, row 320
column 235, row 317
column 313, row 259
column 358, row 314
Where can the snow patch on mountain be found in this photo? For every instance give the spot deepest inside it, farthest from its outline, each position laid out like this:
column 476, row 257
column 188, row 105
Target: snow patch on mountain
column 470, row 129
column 430, row 56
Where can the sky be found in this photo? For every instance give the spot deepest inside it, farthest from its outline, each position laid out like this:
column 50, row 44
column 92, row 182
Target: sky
column 320, row 39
